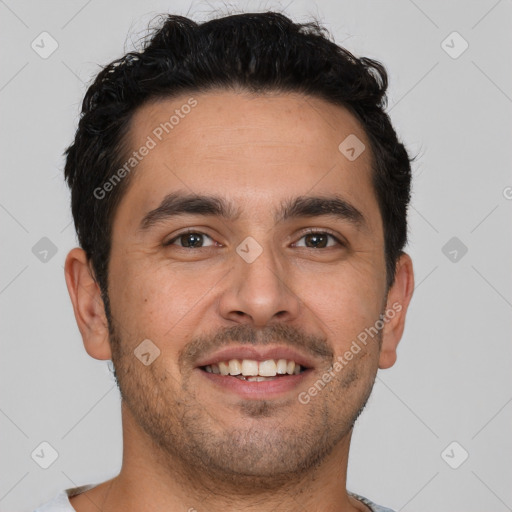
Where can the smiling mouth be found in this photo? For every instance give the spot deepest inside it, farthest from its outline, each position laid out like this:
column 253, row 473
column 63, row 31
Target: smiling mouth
column 255, row 371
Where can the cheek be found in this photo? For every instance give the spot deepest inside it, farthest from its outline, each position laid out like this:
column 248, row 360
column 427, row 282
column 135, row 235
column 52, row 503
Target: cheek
column 157, row 302
column 346, row 304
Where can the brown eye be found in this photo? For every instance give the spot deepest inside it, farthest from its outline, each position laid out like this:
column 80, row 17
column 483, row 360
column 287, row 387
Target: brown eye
column 191, row 240
column 316, row 241
column 320, row 240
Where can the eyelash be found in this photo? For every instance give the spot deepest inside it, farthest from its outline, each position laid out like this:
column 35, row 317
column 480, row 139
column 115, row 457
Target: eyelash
column 310, row 231
column 305, row 233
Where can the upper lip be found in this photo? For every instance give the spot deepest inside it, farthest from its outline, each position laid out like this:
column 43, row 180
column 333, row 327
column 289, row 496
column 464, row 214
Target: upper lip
column 257, row 354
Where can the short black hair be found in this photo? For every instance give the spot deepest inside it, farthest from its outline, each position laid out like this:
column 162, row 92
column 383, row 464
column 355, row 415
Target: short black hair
column 254, row 52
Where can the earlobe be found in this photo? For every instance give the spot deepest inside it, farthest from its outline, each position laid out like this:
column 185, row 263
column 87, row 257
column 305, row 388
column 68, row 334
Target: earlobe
column 88, row 304
column 399, row 297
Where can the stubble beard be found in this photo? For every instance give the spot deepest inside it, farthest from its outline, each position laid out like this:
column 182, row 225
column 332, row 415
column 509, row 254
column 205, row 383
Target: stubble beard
column 267, row 454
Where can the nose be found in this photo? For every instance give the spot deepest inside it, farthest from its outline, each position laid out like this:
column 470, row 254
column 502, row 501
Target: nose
column 258, row 292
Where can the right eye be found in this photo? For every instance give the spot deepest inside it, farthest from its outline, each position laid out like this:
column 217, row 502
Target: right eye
column 190, row 240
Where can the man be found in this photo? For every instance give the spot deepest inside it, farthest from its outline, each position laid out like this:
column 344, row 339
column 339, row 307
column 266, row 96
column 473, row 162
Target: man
column 240, row 199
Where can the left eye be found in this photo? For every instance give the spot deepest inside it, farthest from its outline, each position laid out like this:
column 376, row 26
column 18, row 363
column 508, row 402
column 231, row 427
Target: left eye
column 191, row 240
column 317, row 240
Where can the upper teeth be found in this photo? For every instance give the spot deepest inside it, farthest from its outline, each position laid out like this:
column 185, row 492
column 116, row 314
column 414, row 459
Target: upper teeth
column 246, row 367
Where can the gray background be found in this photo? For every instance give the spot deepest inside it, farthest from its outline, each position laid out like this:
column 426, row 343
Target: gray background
column 452, row 381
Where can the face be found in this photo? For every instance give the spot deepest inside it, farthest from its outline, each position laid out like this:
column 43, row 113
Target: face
column 246, row 235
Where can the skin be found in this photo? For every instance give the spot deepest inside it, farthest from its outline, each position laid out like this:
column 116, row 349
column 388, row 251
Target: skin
column 189, row 444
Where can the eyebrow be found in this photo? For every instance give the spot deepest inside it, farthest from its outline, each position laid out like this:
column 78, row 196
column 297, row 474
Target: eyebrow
column 177, row 204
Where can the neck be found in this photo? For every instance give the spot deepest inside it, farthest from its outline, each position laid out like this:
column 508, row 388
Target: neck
column 152, row 479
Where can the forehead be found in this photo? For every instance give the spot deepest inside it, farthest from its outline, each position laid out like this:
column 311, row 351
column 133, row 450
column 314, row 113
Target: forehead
column 254, row 148
column 207, row 118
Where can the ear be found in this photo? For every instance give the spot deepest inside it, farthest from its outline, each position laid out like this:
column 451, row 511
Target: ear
column 399, row 296
column 87, row 304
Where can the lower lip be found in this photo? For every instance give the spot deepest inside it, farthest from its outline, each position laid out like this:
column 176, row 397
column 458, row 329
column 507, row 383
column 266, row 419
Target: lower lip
column 257, row 390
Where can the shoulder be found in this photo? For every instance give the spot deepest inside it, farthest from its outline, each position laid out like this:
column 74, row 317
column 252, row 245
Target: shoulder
column 372, row 506
column 61, row 503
